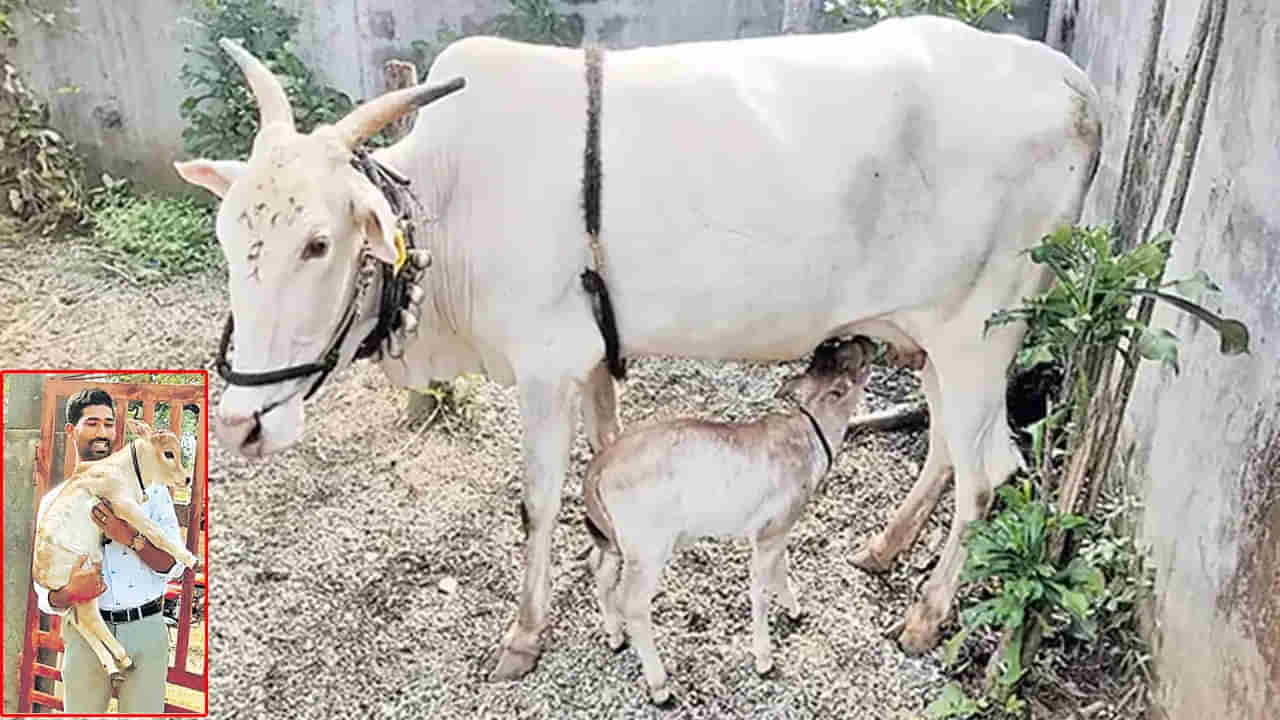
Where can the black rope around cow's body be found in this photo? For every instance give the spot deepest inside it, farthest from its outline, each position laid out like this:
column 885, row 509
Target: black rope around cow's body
column 593, row 278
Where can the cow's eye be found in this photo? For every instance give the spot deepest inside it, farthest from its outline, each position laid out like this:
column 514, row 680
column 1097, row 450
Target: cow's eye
column 315, row 248
column 168, row 454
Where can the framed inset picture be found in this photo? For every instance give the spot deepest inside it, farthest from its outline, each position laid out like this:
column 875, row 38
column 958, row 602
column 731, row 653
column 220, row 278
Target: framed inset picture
column 105, row 542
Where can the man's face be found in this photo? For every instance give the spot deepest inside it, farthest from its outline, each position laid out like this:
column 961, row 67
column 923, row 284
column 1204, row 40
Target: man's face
column 94, row 432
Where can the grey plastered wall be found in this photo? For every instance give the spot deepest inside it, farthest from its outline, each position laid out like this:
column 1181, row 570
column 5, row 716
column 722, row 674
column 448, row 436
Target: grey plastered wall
column 1203, row 447
column 23, row 395
column 123, row 58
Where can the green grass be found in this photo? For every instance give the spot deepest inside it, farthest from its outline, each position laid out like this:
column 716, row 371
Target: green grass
column 154, row 236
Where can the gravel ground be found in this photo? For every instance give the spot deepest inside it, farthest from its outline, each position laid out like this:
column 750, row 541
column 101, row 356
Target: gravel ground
column 326, row 562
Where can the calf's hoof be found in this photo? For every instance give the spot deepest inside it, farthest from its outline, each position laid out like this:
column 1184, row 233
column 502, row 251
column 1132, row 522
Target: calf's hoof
column 126, row 664
column 867, row 559
column 661, row 696
column 513, row 664
column 764, row 666
column 617, row 642
column 919, row 631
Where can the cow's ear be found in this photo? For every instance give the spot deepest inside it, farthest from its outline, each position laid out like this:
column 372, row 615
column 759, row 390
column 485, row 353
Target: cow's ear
column 216, row 176
column 375, row 221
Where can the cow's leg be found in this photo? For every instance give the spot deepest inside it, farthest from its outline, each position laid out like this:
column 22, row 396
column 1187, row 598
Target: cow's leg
column 600, row 408
column 903, row 529
column 546, row 412
column 984, row 456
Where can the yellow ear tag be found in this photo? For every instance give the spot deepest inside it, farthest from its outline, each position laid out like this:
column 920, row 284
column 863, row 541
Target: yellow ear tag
column 401, row 253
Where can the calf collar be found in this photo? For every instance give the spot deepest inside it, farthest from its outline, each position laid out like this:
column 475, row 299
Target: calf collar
column 137, row 470
column 826, row 446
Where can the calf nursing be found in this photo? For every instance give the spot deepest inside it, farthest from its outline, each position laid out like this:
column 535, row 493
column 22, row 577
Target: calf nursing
column 660, row 487
column 65, row 531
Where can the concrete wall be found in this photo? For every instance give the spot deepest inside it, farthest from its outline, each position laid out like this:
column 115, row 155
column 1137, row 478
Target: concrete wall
column 23, row 395
column 1203, row 447
column 124, row 57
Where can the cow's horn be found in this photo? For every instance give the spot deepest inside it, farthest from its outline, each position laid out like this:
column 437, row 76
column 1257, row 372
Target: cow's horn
column 366, row 120
column 273, row 104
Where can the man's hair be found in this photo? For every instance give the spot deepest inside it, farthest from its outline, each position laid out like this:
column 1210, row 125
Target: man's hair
column 83, row 399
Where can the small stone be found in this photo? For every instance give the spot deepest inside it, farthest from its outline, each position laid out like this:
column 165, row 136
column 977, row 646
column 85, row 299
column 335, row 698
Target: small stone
column 448, row 585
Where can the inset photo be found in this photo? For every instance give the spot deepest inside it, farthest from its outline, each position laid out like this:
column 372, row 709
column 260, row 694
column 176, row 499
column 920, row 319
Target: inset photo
column 105, row 542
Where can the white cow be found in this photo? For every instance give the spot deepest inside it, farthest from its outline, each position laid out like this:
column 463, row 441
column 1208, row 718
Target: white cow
column 759, row 196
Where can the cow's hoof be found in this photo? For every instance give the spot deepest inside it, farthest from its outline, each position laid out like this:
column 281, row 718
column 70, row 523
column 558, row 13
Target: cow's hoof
column 919, row 634
column 661, row 696
column 866, row 559
column 126, row 664
column 117, row 679
column 513, row 664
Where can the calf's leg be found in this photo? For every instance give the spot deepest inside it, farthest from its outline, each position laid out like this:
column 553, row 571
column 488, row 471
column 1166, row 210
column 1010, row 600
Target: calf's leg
column 81, row 618
column 93, row 623
column 130, row 511
column 766, row 555
column 780, row 581
column 640, row 575
column 606, row 573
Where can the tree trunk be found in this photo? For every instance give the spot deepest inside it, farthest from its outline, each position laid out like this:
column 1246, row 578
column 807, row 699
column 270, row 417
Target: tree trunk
column 398, row 74
column 799, row 16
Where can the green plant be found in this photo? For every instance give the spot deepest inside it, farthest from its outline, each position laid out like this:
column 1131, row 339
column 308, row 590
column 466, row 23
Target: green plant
column 1012, row 551
column 534, row 21
column 458, row 396
column 157, row 237
column 1038, row 583
column 221, row 114
column 954, row 702
column 861, row 13
column 1111, row 547
column 34, row 8
column 1093, row 292
column 41, row 175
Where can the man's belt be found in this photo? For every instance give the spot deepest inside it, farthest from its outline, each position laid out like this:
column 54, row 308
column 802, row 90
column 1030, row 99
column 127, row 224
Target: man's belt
column 134, row 613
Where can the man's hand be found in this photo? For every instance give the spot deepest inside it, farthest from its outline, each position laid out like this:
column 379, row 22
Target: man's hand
column 85, row 584
column 117, row 529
